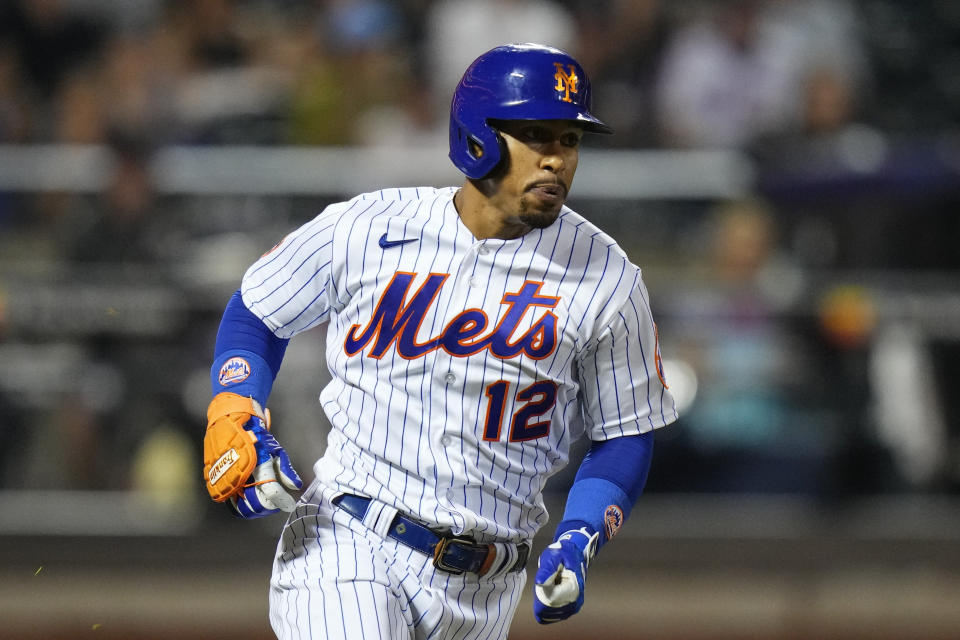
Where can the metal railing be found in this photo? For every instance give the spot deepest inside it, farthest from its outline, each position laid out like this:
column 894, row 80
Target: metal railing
column 249, row 170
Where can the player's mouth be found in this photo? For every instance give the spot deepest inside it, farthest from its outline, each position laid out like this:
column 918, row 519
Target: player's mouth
column 550, row 193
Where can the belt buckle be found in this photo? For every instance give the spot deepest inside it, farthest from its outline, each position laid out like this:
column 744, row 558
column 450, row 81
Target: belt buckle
column 441, row 550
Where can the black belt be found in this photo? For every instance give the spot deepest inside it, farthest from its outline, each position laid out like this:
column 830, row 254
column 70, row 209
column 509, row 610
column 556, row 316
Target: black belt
column 451, row 554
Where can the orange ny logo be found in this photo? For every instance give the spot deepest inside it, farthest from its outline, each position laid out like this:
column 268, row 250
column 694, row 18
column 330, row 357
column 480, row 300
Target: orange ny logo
column 566, row 80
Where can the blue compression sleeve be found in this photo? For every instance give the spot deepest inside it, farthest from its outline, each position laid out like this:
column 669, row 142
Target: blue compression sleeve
column 609, row 481
column 247, row 355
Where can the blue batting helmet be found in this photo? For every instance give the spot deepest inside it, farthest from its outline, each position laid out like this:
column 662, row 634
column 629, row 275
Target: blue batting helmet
column 514, row 82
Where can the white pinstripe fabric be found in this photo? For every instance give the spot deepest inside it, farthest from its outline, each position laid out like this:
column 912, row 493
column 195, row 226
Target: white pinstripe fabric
column 336, row 579
column 409, row 418
column 409, row 431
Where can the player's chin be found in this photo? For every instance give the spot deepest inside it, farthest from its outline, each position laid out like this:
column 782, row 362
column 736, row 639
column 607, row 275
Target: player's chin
column 539, row 219
column 540, row 215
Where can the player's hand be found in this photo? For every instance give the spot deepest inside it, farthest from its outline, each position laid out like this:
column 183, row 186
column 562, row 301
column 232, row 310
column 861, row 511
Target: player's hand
column 244, row 465
column 559, row 585
column 267, row 491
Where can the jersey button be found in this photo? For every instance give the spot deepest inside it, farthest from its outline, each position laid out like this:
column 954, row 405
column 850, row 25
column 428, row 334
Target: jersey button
column 446, row 441
column 483, row 251
column 450, row 377
column 474, row 281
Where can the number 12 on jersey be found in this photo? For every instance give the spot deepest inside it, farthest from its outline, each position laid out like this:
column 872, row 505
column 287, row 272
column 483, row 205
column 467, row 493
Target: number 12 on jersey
column 537, row 400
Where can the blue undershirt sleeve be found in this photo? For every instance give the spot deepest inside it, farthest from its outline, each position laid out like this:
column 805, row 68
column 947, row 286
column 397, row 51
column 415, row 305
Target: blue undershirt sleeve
column 247, row 355
column 608, row 483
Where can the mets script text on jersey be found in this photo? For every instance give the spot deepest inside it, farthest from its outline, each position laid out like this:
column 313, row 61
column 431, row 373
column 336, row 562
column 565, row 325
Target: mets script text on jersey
column 395, row 319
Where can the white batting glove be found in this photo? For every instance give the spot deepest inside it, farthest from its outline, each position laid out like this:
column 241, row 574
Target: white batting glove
column 559, row 584
column 272, row 478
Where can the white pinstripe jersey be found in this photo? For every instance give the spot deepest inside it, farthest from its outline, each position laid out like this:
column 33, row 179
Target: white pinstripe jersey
column 463, row 368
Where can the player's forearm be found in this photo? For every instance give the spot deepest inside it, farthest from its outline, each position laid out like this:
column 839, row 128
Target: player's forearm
column 247, row 355
column 608, row 483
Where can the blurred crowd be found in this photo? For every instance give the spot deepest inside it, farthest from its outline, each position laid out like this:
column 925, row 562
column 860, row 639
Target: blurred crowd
column 692, row 73
column 793, row 378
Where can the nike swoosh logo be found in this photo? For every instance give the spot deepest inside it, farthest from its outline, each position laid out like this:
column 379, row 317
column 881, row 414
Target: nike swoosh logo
column 386, row 244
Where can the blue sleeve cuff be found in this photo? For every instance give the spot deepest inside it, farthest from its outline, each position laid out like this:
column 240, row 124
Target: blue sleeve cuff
column 597, row 504
column 242, row 372
column 241, row 329
column 247, row 355
column 609, row 481
column 624, row 461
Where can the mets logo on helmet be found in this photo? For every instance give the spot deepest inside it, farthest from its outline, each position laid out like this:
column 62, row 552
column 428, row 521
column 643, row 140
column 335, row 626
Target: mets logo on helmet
column 612, row 520
column 566, row 81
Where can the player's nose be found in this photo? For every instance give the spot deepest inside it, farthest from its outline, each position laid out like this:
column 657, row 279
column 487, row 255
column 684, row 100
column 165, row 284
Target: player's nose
column 551, row 157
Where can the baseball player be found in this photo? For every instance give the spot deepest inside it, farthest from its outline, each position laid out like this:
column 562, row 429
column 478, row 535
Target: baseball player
column 473, row 334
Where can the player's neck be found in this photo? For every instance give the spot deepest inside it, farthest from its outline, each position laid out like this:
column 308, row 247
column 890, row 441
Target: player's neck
column 483, row 218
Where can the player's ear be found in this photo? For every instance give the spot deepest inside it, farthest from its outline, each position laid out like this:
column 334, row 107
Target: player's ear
column 475, row 149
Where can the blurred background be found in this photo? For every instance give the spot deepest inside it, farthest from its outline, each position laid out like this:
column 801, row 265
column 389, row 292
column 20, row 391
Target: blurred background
column 786, row 173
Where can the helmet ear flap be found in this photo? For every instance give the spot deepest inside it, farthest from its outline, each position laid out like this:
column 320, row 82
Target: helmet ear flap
column 475, row 151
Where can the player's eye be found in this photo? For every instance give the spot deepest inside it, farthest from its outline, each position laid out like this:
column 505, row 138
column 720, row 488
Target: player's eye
column 535, row 134
column 570, row 139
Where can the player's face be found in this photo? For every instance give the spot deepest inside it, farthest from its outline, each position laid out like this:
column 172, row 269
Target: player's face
column 540, row 162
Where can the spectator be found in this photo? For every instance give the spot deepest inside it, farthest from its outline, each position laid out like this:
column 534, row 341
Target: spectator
column 50, row 41
column 14, row 104
column 79, row 110
column 124, row 225
column 460, row 30
column 224, row 93
column 746, row 426
column 621, row 43
column 740, row 72
column 210, row 34
column 357, row 77
column 136, row 87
